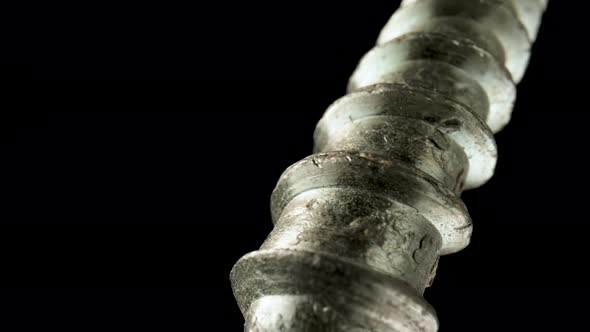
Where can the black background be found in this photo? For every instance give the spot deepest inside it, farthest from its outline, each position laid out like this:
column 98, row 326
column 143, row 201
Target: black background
column 126, row 202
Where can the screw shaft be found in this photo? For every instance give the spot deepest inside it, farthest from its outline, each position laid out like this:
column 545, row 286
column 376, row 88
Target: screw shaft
column 361, row 224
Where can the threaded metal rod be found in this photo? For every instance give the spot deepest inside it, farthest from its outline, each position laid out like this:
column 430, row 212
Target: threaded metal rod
column 360, row 225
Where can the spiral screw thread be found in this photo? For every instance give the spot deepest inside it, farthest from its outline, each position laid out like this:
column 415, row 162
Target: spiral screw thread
column 361, row 224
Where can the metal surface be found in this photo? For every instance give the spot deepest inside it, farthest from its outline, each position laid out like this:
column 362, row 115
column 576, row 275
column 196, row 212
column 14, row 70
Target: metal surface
column 361, row 224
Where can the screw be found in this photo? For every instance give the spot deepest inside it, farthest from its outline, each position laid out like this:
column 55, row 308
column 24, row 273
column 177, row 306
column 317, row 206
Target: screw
column 360, row 225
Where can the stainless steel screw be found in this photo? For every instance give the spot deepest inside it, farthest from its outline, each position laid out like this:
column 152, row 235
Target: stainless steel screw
column 360, row 225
